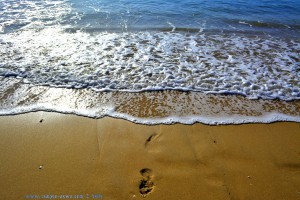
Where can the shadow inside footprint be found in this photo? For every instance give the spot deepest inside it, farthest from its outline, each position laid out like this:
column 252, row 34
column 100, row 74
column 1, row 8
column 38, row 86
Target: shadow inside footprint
column 146, row 172
column 146, row 185
column 151, row 138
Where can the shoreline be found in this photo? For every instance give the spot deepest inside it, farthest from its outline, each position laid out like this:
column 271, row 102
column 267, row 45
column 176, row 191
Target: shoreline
column 51, row 155
column 156, row 107
column 149, row 100
column 61, row 154
column 150, row 124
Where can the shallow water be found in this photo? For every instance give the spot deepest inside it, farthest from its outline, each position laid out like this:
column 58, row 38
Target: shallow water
column 221, row 47
column 151, row 107
column 151, row 14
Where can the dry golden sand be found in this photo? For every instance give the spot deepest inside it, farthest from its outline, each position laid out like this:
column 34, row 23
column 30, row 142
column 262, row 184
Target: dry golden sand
column 49, row 153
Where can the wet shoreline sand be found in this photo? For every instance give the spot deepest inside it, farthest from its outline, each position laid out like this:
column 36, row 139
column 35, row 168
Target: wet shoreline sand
column 50, row 153
column 147, row 107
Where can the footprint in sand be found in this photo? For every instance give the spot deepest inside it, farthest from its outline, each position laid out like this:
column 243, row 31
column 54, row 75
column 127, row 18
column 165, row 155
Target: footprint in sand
column 151, row 138
column 146, row 184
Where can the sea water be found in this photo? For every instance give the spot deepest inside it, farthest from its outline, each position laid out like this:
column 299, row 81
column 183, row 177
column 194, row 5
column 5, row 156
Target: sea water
column 250, row 48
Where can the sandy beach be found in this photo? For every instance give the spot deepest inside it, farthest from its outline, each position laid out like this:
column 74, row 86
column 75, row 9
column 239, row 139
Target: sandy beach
column 155, row 100
column 58, row 155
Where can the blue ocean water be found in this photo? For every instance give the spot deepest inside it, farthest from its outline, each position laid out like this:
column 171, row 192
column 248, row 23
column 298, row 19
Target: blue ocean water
column 219, row 46
column 56, row 55
column 194, row 14
column 126, row 15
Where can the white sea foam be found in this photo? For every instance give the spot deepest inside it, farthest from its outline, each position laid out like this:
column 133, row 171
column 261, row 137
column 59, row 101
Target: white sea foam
column 46, row 43
column 27, row 14
column 260, row 66
column 144, row 107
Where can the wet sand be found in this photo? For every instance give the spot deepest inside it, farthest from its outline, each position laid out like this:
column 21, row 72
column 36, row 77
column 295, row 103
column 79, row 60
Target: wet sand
column 147, row 107
column 45, row 153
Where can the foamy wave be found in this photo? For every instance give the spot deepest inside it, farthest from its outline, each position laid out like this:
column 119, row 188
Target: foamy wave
column 255, row 66
column 144, row 107
column 28, row 14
